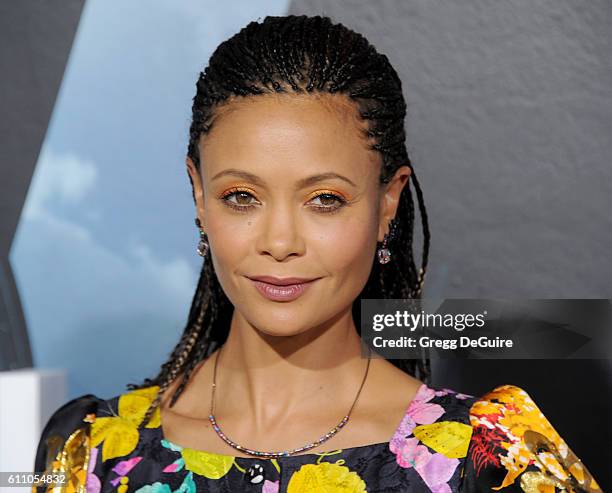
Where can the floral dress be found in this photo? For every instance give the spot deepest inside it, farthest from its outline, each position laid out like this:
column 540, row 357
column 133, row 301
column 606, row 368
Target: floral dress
column 446, row 442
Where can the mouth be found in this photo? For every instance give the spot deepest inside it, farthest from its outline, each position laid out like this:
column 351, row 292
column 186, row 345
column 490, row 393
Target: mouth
column 291, row 289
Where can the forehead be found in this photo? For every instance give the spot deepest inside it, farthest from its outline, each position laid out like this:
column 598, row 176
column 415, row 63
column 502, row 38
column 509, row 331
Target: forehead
column 293, row 131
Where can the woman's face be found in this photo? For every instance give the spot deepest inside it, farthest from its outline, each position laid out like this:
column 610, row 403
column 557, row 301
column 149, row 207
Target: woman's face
column 288, row 188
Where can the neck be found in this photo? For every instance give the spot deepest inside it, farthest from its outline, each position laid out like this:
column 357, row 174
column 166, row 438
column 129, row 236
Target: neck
column 275, row 378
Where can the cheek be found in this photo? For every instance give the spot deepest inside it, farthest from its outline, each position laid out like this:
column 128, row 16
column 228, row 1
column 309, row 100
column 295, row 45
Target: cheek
column 348, row 250
column 230, row 242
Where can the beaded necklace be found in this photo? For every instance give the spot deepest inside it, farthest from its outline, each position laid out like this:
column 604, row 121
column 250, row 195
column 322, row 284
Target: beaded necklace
column 267, row 454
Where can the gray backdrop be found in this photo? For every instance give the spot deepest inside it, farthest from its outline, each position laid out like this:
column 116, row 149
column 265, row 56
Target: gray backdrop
column 509, row 130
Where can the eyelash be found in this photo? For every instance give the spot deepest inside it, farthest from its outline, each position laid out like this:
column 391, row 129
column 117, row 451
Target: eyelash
column 320, row 208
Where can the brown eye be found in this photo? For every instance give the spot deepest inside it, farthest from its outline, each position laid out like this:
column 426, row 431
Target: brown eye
column 242, row 198
column 327, row 201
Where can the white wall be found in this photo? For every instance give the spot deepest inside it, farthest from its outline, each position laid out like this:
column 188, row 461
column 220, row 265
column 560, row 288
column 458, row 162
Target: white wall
column 27, row 400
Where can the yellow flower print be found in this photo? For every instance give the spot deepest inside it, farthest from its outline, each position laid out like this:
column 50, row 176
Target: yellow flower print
column 528, row 437
column 210, row 465
column 120, row 433
column 450, row 438
column 325, row 478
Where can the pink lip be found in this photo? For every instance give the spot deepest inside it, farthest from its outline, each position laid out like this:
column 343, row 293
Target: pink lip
column 281, row 293
column 281, row 281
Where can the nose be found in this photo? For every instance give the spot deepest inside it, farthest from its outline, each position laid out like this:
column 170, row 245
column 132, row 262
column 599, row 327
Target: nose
column 281, row 235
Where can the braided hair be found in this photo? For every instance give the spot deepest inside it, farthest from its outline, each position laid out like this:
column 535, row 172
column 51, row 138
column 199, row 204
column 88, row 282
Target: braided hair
column 301, row 55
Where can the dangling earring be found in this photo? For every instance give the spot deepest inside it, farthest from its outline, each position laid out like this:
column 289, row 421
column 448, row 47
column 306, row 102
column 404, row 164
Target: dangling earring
column 384, row 254
column 203, row 246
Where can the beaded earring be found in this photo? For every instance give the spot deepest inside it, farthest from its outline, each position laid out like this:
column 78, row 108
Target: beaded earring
column 203, row 246
column 384, row 254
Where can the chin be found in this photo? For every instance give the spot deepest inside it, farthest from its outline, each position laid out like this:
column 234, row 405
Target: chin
column 281, row 333
column 286, row 325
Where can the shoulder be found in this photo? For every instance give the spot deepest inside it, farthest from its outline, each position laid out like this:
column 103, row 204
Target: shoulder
column 117, row 424
column 81, row 424
column 66, row 430
column 514, row 444
column 63, row 422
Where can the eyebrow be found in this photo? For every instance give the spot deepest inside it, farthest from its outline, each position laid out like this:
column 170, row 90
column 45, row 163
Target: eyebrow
column 304, row 182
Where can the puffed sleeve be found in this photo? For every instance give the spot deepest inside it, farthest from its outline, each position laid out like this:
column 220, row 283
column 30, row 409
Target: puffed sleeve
column 64, row 444
column 514, row 448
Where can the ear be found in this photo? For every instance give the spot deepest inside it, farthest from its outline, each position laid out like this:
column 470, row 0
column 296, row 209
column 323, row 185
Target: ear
column 198, row 190
column 389, row 201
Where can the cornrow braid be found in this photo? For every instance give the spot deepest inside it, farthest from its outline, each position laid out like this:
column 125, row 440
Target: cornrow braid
column 303, row 55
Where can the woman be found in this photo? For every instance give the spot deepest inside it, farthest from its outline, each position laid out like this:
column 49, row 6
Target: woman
column 301, row 182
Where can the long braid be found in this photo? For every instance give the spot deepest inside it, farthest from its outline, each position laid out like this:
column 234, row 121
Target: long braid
column 199, row 355
column 188, row 343
column 180, row 361
column 426, row 234
column 302, row 55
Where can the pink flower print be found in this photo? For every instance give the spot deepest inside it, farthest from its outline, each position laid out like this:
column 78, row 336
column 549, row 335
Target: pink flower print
column 437, row 471
column 463, row 396
column 441, row 488
column 270, row 487
column 92, row 483
column 424, row 394
column 458, row 395
column 124, row 467
column 442, row 392
column 420, row 412
column 177, row 465
column 425, row 413
column 399, row 437
column 412, row 454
